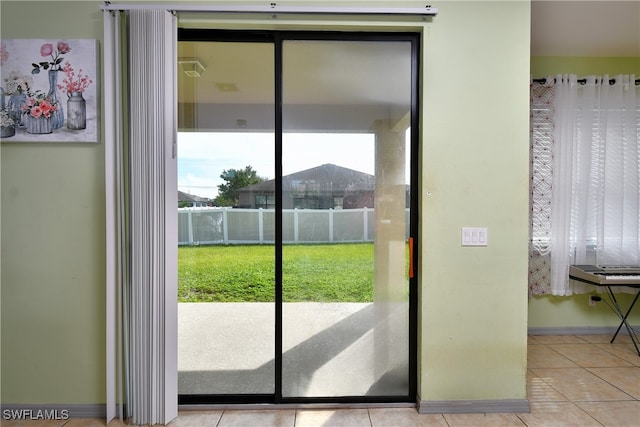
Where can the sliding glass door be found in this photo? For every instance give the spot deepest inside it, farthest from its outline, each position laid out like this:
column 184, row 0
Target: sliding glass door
column 345, row 199
column 226, row 310
column 296, row 276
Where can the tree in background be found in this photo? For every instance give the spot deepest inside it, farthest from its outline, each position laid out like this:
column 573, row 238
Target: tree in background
column 235, row 179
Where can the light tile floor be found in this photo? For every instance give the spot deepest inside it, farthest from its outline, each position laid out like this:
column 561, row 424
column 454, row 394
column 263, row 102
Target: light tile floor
column 572, row 381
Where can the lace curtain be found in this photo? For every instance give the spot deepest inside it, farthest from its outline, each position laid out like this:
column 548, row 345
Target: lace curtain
column 540, row 169
column 585, row 178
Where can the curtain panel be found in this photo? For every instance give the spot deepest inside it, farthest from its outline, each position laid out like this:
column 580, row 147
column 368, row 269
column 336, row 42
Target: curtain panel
column 585, row 178
column 141, row 191
column 541, row 173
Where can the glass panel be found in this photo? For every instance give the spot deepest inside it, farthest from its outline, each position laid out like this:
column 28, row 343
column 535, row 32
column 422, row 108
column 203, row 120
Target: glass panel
column 226, row 219
column 346, row 109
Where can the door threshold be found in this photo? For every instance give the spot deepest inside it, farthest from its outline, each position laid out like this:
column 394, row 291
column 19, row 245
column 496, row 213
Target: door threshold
column 271, row 406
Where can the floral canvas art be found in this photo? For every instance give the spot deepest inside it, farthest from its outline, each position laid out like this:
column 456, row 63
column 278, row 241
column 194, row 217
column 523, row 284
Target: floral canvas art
column 48, row 90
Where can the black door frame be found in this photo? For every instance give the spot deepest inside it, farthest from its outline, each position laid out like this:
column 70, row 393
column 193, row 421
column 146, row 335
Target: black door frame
column 277, row 38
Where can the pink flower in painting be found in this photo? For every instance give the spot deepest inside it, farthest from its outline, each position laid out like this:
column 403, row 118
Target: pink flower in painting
column 47, row 108
column 36, row 111
column 30, row 103
column 73, row 82
column 46, row 49
column 63, row 47
column 56, row 56
column 4, row 55
column 39, row 106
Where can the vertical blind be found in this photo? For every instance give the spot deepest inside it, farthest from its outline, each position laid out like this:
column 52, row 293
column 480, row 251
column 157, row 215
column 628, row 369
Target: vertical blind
column 141, row 168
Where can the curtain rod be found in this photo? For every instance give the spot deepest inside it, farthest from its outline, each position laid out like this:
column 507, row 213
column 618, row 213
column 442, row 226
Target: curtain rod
column 581, row 81
column 274, row 8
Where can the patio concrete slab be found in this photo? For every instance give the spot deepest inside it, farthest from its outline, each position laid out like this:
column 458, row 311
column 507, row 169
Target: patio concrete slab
column 329, row 349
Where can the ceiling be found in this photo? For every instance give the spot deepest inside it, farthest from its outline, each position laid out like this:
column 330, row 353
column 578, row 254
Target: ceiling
column 585, row 28
column 343, row 72
column 337, row 85
column 335, row 77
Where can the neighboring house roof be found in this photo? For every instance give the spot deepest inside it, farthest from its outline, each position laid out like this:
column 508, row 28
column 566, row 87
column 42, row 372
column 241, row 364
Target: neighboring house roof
column 185, row 197
column 327, row 177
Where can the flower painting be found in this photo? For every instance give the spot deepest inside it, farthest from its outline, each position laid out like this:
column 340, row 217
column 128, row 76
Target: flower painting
column 52, row 80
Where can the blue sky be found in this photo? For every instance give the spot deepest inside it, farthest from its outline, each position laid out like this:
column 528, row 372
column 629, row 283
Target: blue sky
column 203, row 156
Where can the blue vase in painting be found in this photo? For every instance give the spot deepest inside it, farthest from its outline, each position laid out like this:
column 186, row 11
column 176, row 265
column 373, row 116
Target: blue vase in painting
column 57, row 118
column 14, row 107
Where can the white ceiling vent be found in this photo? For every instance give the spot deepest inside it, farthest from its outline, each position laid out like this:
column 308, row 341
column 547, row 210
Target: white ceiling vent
column 192, row 67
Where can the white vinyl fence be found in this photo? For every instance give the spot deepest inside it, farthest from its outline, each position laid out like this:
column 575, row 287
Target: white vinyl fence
column 210, row 226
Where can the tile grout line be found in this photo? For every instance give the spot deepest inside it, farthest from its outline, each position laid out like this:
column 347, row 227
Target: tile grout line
column 633, row 398
column 562, row 355
column 445, row 420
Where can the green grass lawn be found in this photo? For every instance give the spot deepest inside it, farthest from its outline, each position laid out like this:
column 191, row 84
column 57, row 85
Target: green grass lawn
column 323, row 273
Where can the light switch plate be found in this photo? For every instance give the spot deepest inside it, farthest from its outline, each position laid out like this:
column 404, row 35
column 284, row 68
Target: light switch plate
column 474, row 236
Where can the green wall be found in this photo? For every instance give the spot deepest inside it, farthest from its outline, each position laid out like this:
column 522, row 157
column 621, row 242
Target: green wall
column 574, row 311
column 473, row 301
column 475, row 173
column 53, row 220
column 542, row 66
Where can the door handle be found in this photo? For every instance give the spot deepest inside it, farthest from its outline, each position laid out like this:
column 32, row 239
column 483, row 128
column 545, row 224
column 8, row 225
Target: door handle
column 410, row 257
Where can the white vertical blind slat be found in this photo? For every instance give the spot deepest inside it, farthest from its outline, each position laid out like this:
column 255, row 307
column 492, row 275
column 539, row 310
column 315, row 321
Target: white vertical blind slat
column 110, row 85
